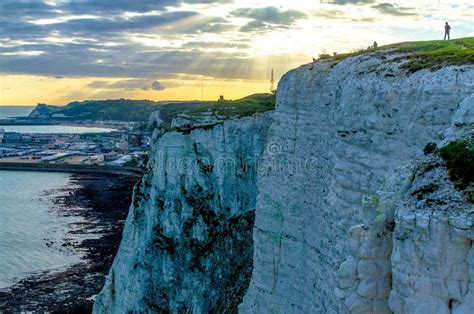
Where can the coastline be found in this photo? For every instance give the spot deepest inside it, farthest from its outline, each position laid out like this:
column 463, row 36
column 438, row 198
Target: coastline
column 102, row 201
column 22, row 121
column 70, row 168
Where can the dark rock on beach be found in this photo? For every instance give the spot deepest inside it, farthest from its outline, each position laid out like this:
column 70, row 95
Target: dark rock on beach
column 102, row 201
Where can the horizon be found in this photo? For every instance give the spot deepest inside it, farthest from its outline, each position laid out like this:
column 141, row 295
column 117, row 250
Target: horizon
column 56, row 52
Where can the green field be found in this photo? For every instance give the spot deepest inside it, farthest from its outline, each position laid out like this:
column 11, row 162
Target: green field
column 419, row 55
column 229, row 109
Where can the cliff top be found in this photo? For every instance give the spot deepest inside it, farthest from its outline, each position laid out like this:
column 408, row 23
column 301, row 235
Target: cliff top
column 419, row 55
column 196, row 114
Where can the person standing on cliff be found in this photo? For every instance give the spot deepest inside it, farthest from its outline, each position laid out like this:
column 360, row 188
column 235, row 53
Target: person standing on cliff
column 447, row 29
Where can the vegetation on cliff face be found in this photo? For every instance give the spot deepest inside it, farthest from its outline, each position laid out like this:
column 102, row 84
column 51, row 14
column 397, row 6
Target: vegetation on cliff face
column 459, row 157
column 431, row 55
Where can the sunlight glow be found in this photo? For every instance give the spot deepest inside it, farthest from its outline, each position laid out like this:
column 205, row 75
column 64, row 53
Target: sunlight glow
column 232, row 53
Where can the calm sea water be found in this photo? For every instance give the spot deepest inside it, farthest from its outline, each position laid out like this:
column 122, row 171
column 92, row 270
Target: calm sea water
column 55, row 129
column 28, row 222
column 14, row 111
column 19, row 111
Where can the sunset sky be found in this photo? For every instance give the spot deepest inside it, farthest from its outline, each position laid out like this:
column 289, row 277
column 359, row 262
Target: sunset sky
column 59, row 51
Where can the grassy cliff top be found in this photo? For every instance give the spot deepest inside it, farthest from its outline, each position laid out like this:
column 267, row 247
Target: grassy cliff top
column 222, row 110
column 432, row 55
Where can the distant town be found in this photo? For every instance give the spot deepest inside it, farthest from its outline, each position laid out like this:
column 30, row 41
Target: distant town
column 98, row 143
column 117, row 148
column 109, row 134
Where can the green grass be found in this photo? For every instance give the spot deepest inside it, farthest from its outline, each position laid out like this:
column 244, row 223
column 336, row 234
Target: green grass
column 459, row 158
column 140, row 110
column 431, row 55
column 434, row 55
column 246, row 106
column 228, row 109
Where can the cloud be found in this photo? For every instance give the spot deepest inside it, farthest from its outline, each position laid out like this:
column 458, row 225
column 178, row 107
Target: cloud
column 199, row 25
column 364, row 20
column 157, row 86
column 254, row 25
column 268, row 17
column 130, row 84
column 344, row 2
column 215, row 45
column 151, row 39
column 391, row 9
column 329, row 14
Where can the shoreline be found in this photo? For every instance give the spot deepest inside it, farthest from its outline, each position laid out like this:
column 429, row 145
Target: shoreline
column 102, row 201
column 118, row 126
column 28, row 166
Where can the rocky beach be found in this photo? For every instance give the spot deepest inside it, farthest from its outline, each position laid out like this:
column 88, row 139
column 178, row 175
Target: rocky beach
column 100, row 205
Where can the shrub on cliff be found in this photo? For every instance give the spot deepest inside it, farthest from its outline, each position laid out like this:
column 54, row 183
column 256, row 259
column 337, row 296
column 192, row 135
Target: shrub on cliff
column 459, row 157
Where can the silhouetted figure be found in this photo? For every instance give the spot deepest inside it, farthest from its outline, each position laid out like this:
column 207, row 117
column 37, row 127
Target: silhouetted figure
column 375, row 45
column 447, row 29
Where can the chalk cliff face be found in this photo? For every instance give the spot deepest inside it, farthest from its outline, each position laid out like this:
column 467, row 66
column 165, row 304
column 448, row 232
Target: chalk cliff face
column 187, row 243
column 357, row 122
column 336, row 155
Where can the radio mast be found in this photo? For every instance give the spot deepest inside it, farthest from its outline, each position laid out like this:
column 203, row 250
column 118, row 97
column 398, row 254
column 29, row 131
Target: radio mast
column 272, row 83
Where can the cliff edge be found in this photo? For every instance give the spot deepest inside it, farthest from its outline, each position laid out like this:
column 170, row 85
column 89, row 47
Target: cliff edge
column 356, row 121
column 337, row 155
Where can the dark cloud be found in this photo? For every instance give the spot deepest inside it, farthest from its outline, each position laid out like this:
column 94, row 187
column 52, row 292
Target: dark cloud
column 268, row 17
column 157, row 86
column 122, row 25
column 89, row 28
column 37, row 8
column 107, row 44
column 200, row 25
column 255, row 25
column 127, row 61
column 390, row 9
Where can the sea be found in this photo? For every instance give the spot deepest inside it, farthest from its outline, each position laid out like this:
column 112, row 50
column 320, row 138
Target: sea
column 31, row 230
column 54, row 129
column 15, row 111
column 23, row 111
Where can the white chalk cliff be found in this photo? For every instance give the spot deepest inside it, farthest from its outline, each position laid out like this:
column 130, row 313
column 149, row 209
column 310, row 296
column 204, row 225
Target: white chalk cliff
column 337, row 155
column 358, row 122
column 187, row 242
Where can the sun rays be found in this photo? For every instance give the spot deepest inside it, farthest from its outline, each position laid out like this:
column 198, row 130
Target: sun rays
column 230, row 46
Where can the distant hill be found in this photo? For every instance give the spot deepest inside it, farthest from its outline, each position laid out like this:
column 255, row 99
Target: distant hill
column 118, row 110
column 140, row 110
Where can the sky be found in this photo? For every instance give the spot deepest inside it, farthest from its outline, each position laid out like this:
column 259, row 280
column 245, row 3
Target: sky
column 58, row 51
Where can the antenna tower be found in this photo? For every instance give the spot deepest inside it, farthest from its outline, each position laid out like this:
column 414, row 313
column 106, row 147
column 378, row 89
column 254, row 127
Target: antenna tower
column 272, row 83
